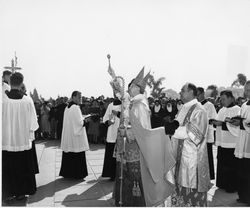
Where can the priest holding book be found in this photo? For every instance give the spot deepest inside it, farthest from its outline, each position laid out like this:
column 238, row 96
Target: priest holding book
column 74, row 140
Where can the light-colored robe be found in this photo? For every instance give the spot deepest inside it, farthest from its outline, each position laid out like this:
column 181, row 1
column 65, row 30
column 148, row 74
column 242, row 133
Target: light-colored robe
column 74, row 137
column 155, row 153
column 242, row 149
column 194, row 168
column 112, row 129
column 211, row 114
column 19, row 122
column 227, row 139
column 5, row 87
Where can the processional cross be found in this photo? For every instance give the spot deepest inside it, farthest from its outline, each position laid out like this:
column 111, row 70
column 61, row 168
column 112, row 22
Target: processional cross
column 13, row 66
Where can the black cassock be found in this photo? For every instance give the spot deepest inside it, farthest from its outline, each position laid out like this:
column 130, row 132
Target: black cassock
column 226, row 176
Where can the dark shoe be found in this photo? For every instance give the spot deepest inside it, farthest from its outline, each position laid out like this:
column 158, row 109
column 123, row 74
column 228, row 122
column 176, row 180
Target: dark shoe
column 9, row 199
column 241, row 201
column 19, row 198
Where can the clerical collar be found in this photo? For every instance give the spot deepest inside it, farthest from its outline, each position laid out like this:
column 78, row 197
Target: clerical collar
column 203, row 102
column 71, row 103
column 14, row 94
column 190, row 103
column 231, row 105
column 117, row 102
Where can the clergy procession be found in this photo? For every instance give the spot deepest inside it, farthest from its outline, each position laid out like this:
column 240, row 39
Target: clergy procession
column 158, row 151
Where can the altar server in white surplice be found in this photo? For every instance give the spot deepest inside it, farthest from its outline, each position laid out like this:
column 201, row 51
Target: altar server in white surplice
column 112, row 120
column 226, row 137
column 242, row 149
column 74, row 140
column 19, row 122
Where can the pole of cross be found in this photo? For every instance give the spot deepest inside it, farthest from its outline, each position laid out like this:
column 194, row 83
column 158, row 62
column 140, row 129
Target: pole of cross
column 121, row 126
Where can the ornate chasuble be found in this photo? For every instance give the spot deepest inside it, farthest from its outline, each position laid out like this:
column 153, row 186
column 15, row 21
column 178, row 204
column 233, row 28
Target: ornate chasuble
column 192, row 169
column 180, row 145
column 156, row 157
column 156, row 160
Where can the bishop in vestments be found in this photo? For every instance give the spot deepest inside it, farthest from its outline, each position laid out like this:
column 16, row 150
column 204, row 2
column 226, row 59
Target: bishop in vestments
column 148, row 154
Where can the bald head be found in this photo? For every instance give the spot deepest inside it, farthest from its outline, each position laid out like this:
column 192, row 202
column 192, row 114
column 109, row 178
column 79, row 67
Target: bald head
column 188, row 92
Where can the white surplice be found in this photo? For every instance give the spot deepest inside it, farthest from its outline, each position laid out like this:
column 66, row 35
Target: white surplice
column 227, row 139
column 242, row 149
column 19, row 122
column 74, row 137
column 112, row 129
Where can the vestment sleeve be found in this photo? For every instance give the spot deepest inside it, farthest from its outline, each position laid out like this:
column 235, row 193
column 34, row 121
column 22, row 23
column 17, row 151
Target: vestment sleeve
column 197, row 127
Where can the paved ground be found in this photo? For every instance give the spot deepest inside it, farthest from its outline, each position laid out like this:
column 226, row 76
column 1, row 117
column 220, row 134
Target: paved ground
column 94, row 190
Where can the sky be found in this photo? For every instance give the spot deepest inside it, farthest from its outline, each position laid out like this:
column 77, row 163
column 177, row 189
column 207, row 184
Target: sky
column 62, row 45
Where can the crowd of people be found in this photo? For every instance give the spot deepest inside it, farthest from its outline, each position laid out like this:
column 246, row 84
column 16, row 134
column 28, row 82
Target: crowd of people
column 154, row 148
column 50, row 117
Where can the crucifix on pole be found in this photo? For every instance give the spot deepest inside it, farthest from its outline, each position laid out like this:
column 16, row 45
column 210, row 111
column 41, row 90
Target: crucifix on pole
column 13, row 66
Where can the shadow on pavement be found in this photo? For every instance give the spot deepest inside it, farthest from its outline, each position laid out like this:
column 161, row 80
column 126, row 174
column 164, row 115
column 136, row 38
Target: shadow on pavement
column 95, row 196
column 222, row 198
column 49, row 189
